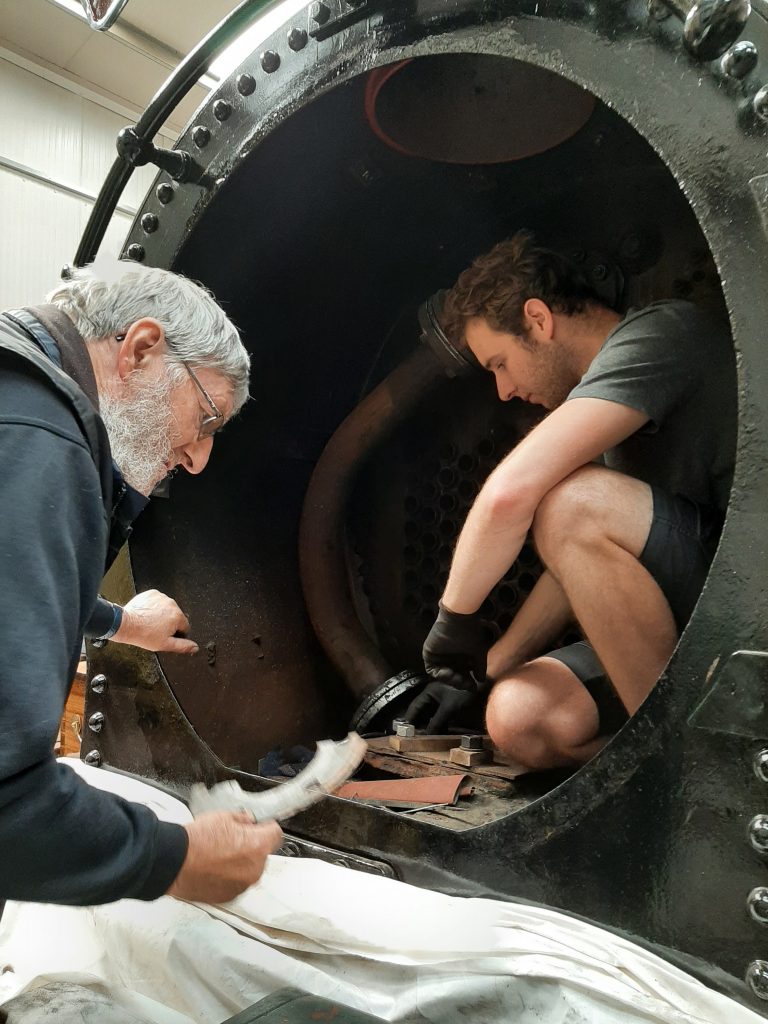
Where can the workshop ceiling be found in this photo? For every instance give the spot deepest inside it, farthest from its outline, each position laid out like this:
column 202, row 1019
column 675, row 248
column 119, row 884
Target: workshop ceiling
column 131, row 61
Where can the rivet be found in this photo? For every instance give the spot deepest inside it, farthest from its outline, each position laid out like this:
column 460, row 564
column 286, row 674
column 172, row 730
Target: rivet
column 165, row 192
column 99, row 683
column 221, row 110
column 320, row 12
column 201, row 136
column 739, row 60
column 760, row 103
column 760, row 764
column 135, row 252
column 270, row 61
column 149, row 223
column 757, row 978
column 758, row 833
column 757, row 904
column 93, row 757
column 246, row 84
column 96, row 722
column 297, row 38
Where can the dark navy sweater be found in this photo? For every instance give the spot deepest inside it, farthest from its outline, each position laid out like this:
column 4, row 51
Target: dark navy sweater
column 61, row 841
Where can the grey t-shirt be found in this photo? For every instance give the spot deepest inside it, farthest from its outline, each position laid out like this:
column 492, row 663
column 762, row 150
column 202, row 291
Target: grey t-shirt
column 670, row 362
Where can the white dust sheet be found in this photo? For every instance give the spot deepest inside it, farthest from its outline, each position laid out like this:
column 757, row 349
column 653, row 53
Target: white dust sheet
column 393, row 950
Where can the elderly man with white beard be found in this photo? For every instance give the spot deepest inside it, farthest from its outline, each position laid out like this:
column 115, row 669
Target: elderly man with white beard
column 124, row 375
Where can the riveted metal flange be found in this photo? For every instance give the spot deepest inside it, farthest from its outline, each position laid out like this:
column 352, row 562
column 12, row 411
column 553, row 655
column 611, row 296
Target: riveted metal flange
column 270, row 61
column 149, row 223
column 757, row 978
column 222, row 110
column 758, row 833
column 201, row 136
column 165, row 192
column 135, row 252
column 297, row 38
column 246, row 84
column 93, row 758
column 99, row 683
column 740, row 60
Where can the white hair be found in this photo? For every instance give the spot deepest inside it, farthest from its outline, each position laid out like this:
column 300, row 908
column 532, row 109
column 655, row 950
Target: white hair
column 106, row 297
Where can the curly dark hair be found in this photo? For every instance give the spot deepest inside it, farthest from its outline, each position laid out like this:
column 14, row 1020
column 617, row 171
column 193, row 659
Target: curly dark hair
column 498, row 284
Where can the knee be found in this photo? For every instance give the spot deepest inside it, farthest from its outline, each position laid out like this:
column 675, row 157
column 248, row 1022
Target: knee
column 514, row 727
column 570, row 514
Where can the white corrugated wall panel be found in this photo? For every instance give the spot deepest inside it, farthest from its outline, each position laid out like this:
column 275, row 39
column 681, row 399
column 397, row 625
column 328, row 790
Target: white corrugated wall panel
column 47, row 130
column 41, row 230
column 40, row 124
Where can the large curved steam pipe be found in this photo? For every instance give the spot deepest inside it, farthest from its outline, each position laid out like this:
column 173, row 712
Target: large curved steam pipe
column 322, row 550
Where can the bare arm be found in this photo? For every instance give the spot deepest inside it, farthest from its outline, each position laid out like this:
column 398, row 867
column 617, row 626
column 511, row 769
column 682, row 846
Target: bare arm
column 497, row 525
column 543, row 616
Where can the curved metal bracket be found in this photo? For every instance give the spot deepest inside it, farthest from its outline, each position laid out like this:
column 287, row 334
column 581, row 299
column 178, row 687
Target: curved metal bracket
column 170, row 95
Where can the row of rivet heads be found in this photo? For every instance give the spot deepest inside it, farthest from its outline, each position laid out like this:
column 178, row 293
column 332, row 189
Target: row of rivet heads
column 96, row 721
column 201, row 135
column 757, row 901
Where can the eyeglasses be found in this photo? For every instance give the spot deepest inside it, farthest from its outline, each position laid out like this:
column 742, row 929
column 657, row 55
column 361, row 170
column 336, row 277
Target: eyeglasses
column 211, row 423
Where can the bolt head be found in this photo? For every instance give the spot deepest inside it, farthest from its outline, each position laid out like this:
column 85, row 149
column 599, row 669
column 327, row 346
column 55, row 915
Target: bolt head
column 201, row 136
column 757, row 904
column 471, row 742
column 297, row 38
column 758, row 833
column 270, row 61
column 739, row 60
column 246, row 84
column 760, row 103
column 149, row 223
column 404, row 729
column 221, row 110
column 96, row 722
column 93, row 757
column 757, row 978
column 760, row 764
column 135, row 252
column 320, row 12
column 99, row 683
column 165, row 193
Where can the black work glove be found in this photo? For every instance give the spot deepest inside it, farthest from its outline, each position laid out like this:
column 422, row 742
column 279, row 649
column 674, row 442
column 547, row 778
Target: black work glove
column 456, row 650
column 442, row 703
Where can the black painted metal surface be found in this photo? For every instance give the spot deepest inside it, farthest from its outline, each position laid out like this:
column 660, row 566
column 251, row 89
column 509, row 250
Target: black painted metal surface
column 323, row 243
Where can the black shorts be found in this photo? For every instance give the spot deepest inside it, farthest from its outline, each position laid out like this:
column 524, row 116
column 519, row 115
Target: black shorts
column 678, row 552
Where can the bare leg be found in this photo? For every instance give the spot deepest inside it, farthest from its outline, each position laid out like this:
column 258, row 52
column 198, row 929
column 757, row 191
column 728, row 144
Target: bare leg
column 590, row 531
column 543, row 616
column 542, row 716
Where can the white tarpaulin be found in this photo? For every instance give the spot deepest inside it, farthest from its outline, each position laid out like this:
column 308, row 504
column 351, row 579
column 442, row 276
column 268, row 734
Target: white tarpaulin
column 390, row 949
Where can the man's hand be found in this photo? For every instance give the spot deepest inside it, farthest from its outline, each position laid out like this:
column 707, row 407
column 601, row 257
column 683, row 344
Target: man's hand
column 227, row 853
column 151, row 620
column 456, row 650
column 442, row 703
